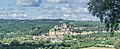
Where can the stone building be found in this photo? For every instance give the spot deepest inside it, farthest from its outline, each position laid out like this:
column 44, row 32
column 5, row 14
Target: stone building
column 62, row 30
column 56, row 34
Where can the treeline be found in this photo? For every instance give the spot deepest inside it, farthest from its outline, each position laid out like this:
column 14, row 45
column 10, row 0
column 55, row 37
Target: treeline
column 33, row 27
column 15, row 44
column 39, row 26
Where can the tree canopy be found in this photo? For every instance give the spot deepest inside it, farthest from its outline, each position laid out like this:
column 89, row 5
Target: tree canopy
column 108, row 11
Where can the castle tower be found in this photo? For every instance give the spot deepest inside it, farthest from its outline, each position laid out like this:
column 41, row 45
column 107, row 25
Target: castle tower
column 56, row 27
column 64, row 25
column 52, row 32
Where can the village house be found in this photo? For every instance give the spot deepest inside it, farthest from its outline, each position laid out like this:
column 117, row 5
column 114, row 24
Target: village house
column 56, row 33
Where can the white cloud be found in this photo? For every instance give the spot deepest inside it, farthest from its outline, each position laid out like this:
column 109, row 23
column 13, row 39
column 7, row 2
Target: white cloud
column 13, row 15
column 27, row 2
column 54, row 1
column 66, row 9
column 82, row 10
column 39, row 17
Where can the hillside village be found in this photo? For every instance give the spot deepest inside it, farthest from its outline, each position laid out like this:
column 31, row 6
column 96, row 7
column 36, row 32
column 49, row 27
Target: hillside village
column 51, row 34
column 57, row 33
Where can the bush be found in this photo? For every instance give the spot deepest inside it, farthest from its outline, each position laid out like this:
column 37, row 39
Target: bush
column 15, row 43
column 117, row 44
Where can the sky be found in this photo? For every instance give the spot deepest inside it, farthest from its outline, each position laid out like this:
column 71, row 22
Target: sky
column 45, row 9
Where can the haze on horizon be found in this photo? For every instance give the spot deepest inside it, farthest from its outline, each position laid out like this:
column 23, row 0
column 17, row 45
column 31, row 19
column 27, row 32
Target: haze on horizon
column 45, row 9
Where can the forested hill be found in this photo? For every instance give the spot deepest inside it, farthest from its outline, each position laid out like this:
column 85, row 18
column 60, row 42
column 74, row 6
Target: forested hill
column 28, row 26
column 38, row 26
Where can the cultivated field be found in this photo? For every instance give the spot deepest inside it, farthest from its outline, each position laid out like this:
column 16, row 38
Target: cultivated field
column 97, row 48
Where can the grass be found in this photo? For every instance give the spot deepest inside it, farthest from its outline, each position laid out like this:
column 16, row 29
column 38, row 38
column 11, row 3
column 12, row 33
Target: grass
column 97, row 48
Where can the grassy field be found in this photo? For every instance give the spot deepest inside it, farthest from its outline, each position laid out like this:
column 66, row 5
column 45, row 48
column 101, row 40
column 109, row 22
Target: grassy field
column 97, row 48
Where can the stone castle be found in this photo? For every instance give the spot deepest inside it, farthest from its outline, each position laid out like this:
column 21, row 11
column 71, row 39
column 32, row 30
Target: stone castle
column 62, row 30
column 56, row 34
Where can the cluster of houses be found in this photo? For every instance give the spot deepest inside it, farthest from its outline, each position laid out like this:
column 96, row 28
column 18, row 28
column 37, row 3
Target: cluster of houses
column 56, row 34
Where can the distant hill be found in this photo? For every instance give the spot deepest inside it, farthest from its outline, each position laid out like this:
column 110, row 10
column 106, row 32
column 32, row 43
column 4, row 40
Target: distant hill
column 27, row 26
column 36, row 26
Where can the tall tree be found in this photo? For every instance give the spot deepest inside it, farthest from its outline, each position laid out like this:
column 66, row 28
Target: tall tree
column 15, row 43
column 108, row 11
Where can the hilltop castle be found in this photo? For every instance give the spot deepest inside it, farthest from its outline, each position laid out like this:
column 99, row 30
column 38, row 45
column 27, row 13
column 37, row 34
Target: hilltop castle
column 62, row 30
column 56, row 34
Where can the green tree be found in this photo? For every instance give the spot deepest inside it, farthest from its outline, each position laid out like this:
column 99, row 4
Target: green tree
column 1, row 36
column 15, row 43
column 117, row 44
column 68, row 37
column 108, row 11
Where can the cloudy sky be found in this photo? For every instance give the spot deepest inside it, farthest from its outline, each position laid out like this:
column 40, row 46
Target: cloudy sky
column 45, row 9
